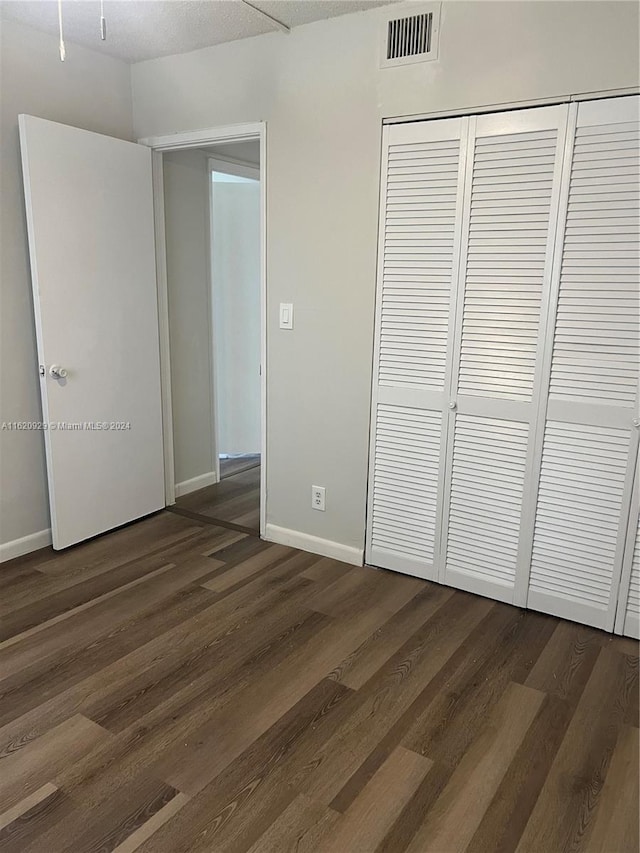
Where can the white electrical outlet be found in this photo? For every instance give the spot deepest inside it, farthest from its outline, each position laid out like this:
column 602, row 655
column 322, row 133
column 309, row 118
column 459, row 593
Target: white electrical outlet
column 317, row 497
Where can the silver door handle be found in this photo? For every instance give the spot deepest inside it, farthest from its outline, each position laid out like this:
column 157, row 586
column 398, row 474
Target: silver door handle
column 58, row 372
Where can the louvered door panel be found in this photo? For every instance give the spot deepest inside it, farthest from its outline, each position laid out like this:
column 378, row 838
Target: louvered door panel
column 590, row 443
column 405, row 483
column 580, row 507
column 420, row 225
column 628, row 610
column 512, row 194
column 420, row 216
column 487, row 481
column 631, row 604
column 633, row 600
column 597, row 346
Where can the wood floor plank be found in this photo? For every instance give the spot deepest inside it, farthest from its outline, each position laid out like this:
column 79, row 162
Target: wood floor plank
column 212, row 667
column 368, row 658
column 456, row 814
column 326, row 570
column 258, row 706
column 14, row 580
column 365, row 823
column 218, row 619
column 615, row 826
column 250, row 520
column 84, row 594
column 28, row 826
column 235, row 499
column 24, row 771
column 134, row 841
column 160, row 735
column 435, row 714
column 298, row 829
column 505, row 654
column 45, row 587
column 235, row 812
column 56, row 673
column 111, row 550
column 16, row 652
column 28, row 803
column 198, row 518
column 387, row 696
column 19, row 571
column 564, row 812
column 568, row 658
column 57, row 637
column 237, row 464
column 256, row 698
column 355, row 589
column 21, row 626
column 230, row 576
column 562, row 671
column 112, row 822
column 449, row 714
column 269, row 696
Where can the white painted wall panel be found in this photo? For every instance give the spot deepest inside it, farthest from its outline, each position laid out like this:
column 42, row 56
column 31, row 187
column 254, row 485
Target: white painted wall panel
column 323, row 96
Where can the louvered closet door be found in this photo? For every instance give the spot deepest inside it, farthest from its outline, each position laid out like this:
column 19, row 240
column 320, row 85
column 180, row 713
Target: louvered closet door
column 511, row 201
column 588, row 448
column 628, row 610
column 631, row 624
column 420, row 215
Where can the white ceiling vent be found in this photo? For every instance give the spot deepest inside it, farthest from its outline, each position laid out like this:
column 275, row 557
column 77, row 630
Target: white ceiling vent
column 410, row 38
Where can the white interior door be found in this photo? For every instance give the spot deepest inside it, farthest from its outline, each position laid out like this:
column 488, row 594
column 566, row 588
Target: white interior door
column 90, row 220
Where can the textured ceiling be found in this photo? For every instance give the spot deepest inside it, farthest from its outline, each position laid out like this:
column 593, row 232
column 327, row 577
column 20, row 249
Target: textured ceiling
column 145, row 29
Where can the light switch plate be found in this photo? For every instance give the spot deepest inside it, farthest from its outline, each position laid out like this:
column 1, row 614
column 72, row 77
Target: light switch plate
column 286, row 315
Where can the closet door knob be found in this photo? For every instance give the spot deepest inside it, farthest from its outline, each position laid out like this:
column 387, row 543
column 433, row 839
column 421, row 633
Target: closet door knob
column 636, row 423
column 453, row 405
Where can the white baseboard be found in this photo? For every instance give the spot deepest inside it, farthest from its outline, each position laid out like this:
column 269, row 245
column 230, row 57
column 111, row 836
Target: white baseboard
column 195, row 483
column 314, row 544
column 25, row 545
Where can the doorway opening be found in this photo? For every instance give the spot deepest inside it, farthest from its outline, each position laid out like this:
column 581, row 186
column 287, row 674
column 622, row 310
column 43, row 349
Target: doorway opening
column 210, row 228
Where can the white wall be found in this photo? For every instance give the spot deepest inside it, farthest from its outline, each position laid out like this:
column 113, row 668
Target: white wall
column 90, row 91
column 245, row 152
column 186, row 197
column 323, row 96
column 236, row 312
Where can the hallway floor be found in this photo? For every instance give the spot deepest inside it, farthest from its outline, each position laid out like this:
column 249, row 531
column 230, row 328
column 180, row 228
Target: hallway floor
column 235, row 500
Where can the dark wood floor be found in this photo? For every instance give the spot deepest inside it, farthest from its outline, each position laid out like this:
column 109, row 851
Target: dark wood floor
column 176, row 687
column 234, row 500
